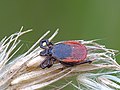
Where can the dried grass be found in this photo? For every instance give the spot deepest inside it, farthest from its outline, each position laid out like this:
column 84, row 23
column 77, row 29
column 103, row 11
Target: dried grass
column 24, row 73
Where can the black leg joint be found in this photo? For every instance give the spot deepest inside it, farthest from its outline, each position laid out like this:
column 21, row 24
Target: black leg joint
column 44, row 41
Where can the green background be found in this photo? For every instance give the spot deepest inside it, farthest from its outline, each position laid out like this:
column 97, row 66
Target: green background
column 76, row 19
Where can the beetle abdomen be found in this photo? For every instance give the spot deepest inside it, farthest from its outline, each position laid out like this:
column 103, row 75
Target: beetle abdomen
column 70, row 51
column 78, row 54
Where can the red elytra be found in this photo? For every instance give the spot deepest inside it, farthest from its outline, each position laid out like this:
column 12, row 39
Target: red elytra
column 78, row 53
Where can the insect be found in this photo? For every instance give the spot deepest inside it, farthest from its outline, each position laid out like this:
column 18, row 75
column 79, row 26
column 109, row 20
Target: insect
column 68, row 53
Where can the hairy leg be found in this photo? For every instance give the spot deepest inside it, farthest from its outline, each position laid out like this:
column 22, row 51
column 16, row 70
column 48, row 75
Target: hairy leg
column 72, row 64
column 87, row 61
column 47, row 43
column 45, row 63
column 48, row 62
column 51, row 62
column 44, row 53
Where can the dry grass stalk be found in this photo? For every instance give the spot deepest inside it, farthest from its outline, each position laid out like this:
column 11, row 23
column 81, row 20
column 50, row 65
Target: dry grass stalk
column 24, row 73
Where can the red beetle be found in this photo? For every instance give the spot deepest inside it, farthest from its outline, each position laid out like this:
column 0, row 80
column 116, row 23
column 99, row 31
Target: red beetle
column 69, row 53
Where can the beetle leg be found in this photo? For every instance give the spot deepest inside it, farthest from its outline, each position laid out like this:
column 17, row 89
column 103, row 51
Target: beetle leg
column 47, row 43
column 67, row 64
column 50, row 43
column 48, row 62
column 44, row 41
column 72, row 64
column 87, row 61
column 45, row 63
column 44, row 53
column 51, row 62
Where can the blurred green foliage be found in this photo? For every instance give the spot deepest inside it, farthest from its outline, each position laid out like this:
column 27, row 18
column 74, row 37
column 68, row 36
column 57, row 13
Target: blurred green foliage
column 76, row 19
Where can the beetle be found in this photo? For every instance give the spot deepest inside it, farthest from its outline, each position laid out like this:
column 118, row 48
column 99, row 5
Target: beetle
column 68, row 53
